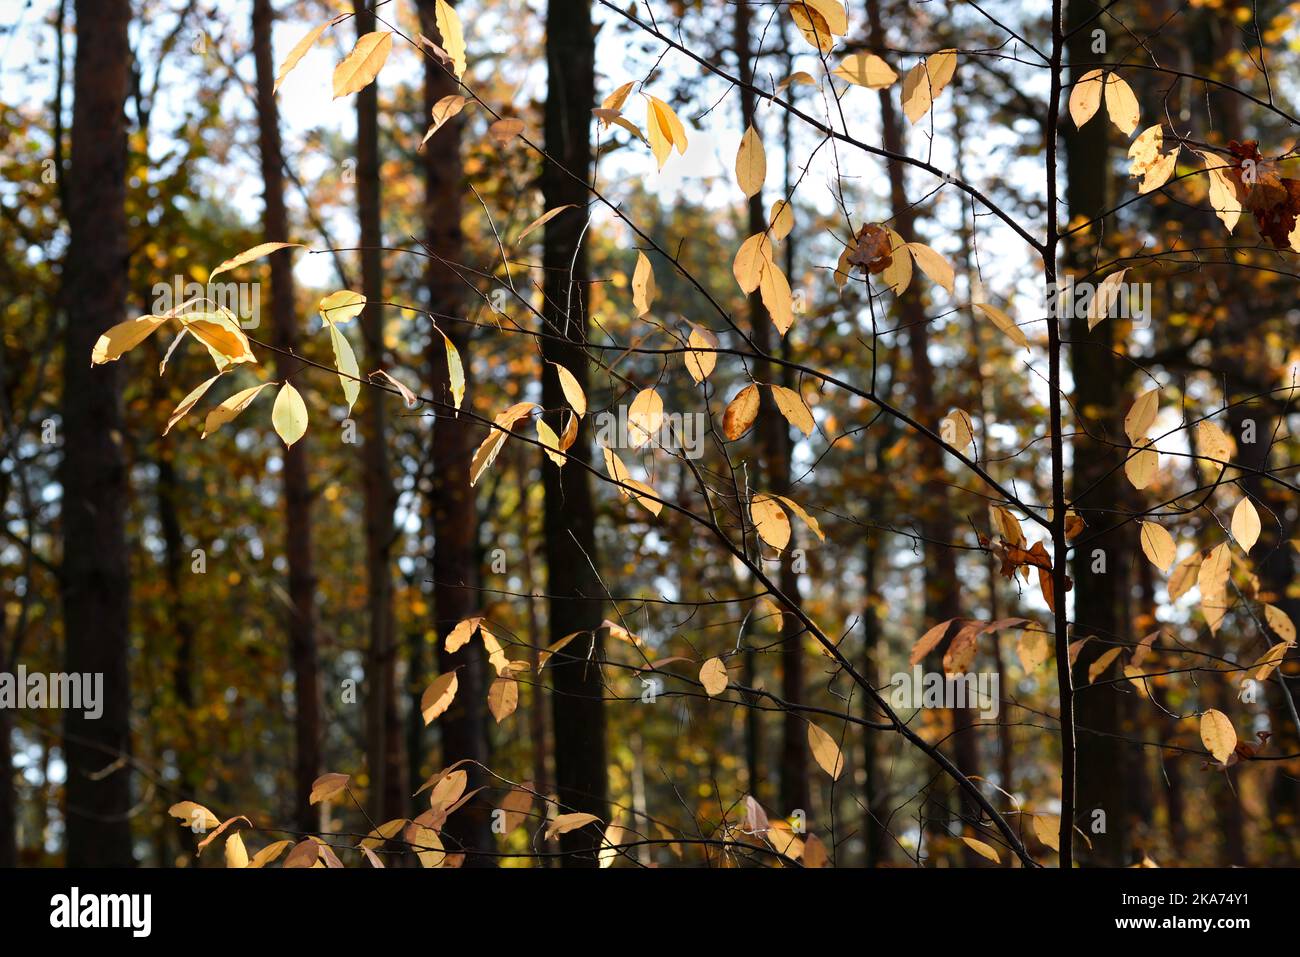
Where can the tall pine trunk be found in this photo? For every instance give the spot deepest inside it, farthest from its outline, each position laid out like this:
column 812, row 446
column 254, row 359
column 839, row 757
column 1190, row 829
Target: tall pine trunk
column 573, row 586
column 774, row 436
column 303, row 657
column 452, row 504
column 383, row 728
column 942, row 600
column 96, row 573
column 1097, row 598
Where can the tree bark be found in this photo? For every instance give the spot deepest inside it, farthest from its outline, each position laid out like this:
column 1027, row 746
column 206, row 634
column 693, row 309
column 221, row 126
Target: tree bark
column 96, row 573
column 942, row 597
column 298, row 533
column 574, row 589
column 453, row 505
column 1098, row 385
column 383, row 727
column 774, row 435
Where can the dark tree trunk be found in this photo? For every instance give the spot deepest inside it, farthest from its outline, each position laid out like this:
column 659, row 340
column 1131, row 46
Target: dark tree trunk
column 775, row 438
column 573, row 587
column 383, row 727
column 96, row 574
column 463, row 727
column 1097, row 598
column 297, row 492
column 942, row 595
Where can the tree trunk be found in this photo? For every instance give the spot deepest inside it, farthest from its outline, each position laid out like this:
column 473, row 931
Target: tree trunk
column 578, row 713
column 1098, row 382
column 774, row 436
column 942, row 597
column 297, row 493
column 453, row 504
column 383, row 727
column 96, row 573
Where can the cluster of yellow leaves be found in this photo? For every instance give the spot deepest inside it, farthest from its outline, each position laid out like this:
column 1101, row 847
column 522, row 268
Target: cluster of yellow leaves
column 1121, row 103
column 742, row 411
column 665, row 131
column 772, row 523
column 503, row 693
column 220, row 333
column 755, row 268
column 820, row 21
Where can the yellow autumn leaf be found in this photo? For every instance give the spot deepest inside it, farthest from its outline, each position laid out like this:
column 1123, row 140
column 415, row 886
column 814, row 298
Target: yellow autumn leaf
column 573, row 393
column 774, row 289
column 220, row 333
column 1141, row 415
column 1280, row 622
column 1047, row 828
column 124, row 337
column 327, row 786
column 643, row 284
column 1224, row 196
column 543, row 219
column 442, row 113
column 740, row 413
column 866, row 69
column 564, row 823
column 1158, row 545
column 342, row 306
column 793, row 408
column 1218, row 734
column 713, row 675
column 807, row 519
column 1085, row 97
column 438, row 696
column 550, row 442
column 359, row 68
column 1213, row 443
column 345, row 361
column 1142, row 464
column 453, row 35
column 187, row 403
column 289, row 414
column 1003, row 322
column 644, row 417
column 781, row 220
column 751, row 260
column 300, row 50
column 933, row 265
column 229, row 409
column 503, row 698
column 486, row 453
column 751, row 163
column 194, row 816
column 1147, row 160
column 236, row 853
column 269, row 853
column 248, row 255
column 770, row 521
column 1270, row 660
column 1245, row 525
column 825, row 751
column 1121, row 105
column 982, row 849
column 700, row 361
